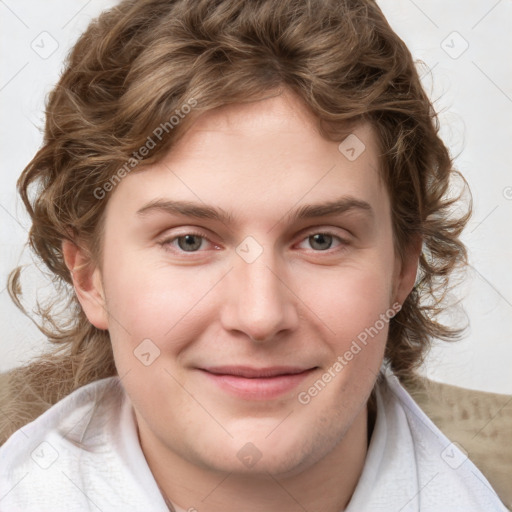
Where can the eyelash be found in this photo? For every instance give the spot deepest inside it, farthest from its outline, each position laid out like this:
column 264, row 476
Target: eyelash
column 342, row 243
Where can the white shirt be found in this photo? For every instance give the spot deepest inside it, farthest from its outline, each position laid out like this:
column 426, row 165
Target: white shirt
column 83, row 454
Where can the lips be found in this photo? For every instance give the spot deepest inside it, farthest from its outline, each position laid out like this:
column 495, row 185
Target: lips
column 257, row 383
column 255, row 373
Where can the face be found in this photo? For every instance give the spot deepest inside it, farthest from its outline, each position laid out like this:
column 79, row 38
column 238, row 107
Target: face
column 236, row 276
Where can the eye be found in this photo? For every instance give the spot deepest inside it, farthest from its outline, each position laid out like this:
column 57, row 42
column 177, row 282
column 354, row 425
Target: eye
column 190, row 242
column 322, row 242
column 187, row 242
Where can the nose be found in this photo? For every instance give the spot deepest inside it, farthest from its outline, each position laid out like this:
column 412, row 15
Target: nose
column 258, row 302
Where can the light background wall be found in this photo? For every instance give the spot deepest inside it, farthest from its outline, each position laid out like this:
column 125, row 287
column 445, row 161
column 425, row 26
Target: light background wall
column 467, row 70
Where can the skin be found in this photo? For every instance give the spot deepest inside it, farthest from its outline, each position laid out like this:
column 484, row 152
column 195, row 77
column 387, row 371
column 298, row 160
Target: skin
column 299, row 303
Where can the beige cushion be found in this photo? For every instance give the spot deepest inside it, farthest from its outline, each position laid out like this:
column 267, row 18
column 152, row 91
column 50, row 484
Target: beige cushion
column 481, row 423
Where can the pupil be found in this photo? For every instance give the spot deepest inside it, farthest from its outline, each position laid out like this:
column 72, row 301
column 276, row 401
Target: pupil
column 189, row 242
column 320, row 241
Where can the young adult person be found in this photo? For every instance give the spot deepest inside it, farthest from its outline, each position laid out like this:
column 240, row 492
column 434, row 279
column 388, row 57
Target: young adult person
column 249, row 203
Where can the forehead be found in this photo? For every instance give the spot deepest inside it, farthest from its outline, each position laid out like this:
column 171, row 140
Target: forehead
column 261, row 158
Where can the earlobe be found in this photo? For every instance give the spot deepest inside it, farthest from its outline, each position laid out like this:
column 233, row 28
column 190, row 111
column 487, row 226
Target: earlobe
column 87, row 283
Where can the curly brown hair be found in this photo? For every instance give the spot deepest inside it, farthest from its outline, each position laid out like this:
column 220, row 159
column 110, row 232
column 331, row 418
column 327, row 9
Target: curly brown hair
column 144, row 59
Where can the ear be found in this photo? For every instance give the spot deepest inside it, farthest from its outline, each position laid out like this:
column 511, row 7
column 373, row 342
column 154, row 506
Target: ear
column 87, row 283
column 406, row 270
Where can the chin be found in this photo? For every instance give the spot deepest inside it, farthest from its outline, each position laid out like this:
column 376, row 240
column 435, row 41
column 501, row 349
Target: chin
column 284, row 453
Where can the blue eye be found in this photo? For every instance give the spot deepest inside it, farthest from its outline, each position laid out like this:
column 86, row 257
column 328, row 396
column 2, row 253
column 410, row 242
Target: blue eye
column 321, row 241
column 190, row 242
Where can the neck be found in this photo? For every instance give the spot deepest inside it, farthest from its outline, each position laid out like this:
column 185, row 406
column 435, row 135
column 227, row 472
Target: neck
column 326, row 485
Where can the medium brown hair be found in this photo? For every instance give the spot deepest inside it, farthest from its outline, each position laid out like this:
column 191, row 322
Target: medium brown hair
column 140, row 62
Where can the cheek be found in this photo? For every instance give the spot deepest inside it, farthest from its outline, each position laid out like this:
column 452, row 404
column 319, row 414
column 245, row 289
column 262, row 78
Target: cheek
column 348, row 299
column 354, row 306
column 146, row 301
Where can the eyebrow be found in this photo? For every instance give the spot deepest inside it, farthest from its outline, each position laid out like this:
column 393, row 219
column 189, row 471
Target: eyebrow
column 186, row 208
column 201, row 211
column 337, row 207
